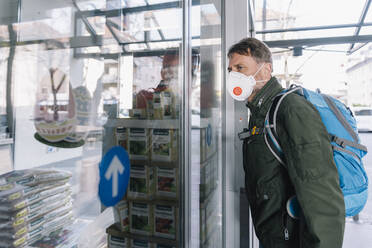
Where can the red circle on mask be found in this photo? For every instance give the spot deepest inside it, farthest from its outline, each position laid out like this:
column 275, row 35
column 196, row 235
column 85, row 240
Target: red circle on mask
column 237, row 91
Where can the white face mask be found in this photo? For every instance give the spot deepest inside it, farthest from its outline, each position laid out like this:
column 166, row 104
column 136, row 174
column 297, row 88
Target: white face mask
column 241, row 86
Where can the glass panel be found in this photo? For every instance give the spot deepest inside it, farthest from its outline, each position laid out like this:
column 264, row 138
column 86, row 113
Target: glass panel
column 301, row 13
column 147, row 125
column 307, row 34
column 368, row 18
column 366, row 30
column 136, row 3
column 166, row 21
column 86, row 80
column 206, row 161
column 59, row 107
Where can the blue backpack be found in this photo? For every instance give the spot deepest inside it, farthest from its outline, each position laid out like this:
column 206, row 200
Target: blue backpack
column 347, row 150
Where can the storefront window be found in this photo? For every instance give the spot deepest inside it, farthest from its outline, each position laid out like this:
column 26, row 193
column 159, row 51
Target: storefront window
column 86, row 77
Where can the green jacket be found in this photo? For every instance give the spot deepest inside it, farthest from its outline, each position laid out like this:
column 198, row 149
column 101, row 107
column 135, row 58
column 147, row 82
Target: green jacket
column 311, row 174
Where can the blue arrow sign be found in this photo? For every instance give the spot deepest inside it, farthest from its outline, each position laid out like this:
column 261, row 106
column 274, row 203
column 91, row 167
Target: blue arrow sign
column 114, row 176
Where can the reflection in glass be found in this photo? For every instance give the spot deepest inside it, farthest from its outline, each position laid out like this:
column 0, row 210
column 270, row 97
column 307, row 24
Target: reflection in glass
column 87, row 78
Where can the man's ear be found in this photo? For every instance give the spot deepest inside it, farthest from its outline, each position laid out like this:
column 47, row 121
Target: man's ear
column 268, row 68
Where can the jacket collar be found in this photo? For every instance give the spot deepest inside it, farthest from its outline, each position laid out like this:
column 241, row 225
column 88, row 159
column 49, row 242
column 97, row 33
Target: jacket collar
column 262, row 100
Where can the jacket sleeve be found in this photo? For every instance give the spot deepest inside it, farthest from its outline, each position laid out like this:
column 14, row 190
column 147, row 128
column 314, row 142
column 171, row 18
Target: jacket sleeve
column 312, row 170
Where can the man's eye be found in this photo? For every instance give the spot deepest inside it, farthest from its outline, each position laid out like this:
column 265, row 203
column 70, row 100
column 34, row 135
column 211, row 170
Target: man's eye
column 239, row 67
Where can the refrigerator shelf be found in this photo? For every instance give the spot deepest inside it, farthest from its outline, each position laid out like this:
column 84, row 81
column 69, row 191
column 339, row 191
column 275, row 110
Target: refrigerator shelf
column 138, row 123
column 174, row 164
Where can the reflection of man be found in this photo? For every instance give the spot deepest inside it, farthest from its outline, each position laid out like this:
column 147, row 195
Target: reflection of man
column 310, row 171
column 169, row 80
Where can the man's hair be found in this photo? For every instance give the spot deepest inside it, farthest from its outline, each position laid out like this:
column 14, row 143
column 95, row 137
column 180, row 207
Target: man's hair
column 253, row 47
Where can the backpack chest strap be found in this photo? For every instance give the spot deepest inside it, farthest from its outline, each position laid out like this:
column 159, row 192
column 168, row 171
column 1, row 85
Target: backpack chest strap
column 246, row 133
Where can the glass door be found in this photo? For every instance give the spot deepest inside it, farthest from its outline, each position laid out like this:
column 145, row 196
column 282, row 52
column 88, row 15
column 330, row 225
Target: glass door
column 83, row 77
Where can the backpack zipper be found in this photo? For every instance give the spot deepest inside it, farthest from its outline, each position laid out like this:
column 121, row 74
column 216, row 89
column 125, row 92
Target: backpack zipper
column 286, row 234
column 285, row 224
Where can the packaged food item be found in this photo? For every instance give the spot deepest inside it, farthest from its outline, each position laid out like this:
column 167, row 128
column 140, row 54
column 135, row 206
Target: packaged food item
column 66, row 237
column 138, row 113
column 141, row 183
column 139, row 143
column 14, row 192
column 31, row 177
column 58, row 219
column 164, row 145
column 121, row 215
column 33, row 203
column 150, row 109
column 122, row 137
column 157, row 105
column 117, row 242
column 167, row 182
column 41, row 226
column 168, row 104
column 28, row 200
column 141, row 218
column 138, row 243
column 165, row 221
column 7, row 243
column 19, row 223
column 32, row 211
column 163, row 105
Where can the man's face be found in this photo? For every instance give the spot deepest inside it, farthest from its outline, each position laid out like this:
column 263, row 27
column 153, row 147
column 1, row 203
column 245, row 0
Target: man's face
column 170, row 67
column 244, row 64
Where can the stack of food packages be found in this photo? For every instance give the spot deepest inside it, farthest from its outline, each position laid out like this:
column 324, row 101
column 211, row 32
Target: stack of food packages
column 150, row 208
column 33, row 204
column 160, row 106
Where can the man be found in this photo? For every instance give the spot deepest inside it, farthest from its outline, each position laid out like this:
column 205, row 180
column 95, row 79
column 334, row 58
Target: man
column 169, row 79
column 309, row 172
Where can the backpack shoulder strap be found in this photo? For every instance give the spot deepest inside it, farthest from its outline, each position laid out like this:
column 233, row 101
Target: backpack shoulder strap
column 340, row 117
column 270, row 130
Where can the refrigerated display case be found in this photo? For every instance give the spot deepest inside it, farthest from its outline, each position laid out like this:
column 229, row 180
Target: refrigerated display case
column 88, row 75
